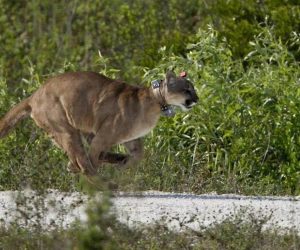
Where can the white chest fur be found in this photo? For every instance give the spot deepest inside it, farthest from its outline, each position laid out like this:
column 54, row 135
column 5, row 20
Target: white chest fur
column 138, row 130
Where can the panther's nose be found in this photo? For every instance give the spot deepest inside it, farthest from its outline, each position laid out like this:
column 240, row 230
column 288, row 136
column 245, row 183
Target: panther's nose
column 195, row 98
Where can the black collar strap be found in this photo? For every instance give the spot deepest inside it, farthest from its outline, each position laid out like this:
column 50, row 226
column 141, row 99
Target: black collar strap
column 165, row 108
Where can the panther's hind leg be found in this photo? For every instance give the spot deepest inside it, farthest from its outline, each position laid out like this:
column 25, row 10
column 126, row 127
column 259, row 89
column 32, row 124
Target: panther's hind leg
column 72, row 144
column 58, row 124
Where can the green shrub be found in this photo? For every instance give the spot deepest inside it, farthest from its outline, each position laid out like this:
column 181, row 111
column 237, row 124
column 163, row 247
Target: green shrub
column 245, row 128
column 243, row 136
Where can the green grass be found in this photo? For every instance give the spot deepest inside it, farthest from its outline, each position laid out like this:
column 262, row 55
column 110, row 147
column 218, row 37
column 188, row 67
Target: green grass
column 242, row 137
column 225, row 236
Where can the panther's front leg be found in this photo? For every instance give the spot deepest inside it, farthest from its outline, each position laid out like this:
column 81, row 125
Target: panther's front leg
column 135, row 149
column 113, row 158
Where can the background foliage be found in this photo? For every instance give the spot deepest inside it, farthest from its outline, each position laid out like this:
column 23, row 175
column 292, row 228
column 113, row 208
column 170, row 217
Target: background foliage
column 242, row 55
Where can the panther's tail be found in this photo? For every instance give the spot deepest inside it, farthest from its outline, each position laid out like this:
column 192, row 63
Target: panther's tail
column 17, row 113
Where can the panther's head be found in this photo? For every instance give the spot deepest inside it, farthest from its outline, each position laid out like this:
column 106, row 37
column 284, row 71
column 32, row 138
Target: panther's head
column 179, row 91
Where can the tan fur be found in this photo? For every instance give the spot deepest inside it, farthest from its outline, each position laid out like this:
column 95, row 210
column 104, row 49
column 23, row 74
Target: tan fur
column 104, row 111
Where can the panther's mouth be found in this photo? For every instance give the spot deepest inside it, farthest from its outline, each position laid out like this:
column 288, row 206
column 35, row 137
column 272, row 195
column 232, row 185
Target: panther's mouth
column 187, row 105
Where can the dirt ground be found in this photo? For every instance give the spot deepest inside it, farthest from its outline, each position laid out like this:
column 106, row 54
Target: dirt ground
column 178, row 211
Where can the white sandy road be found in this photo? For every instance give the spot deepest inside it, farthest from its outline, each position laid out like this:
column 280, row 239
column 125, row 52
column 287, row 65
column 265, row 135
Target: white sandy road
column 176, row 211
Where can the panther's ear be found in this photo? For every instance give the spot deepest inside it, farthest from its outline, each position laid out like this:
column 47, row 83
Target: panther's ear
column 170, row 78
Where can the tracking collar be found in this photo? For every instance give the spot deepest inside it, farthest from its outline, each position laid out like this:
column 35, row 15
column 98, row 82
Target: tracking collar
column 165, row 108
